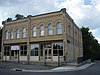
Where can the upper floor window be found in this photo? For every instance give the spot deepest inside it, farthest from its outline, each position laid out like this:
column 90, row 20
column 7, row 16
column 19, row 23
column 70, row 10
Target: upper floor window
column 24, row 33
column 6, row 35
column 76, row 34
column 12, row 34
column 50, row 29
column 17, row 33
column 69, row 29
column 59, row 28
column 41, row 30
column 34, row 31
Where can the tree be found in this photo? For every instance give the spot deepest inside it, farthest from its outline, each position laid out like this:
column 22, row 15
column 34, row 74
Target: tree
column 90, row 44
column 3, row 22
column 9, row 19
column 18, row 16
column 0, row 38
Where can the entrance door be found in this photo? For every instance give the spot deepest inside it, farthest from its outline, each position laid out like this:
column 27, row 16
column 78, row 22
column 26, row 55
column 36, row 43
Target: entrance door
column 48, row 54
column 14, row 54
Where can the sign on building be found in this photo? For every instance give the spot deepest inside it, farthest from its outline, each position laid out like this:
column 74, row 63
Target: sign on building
column 14, row 47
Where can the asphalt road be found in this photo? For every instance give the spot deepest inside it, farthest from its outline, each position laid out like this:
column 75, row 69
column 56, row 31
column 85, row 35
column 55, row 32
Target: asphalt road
column 93, row 70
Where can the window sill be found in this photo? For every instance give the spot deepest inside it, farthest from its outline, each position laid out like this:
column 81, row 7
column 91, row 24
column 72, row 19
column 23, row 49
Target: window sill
column 41, row 36
column 34, row 37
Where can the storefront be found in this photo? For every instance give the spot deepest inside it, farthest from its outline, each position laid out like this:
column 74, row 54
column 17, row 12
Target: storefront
column 38, row 52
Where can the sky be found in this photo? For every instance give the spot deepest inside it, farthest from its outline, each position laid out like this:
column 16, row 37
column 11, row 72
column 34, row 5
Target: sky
column 84, row 12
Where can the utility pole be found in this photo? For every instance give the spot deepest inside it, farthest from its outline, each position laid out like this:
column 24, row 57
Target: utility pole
column 28, row 39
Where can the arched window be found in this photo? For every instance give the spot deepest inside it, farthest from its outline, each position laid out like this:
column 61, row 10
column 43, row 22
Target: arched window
column 12, row 34
column 17, row 33
column 24, row 32
column 50, row 29
column 6, row 35
column 42, row 30
column 34, row 31
column 59, row 28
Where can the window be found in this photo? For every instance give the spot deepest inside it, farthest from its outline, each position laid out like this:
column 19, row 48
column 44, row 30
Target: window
column 6, row 35
column 41, row 30
column 50, row 29
column 34, row 49
column 24, row 33
column 12, row 34
column 17, row 33
column 59, row 28
column 23, row 50
column 34, row 31
column 69, row 29
column 68, row 44
column 47, row 46
column 58, row 49
column 6, row 50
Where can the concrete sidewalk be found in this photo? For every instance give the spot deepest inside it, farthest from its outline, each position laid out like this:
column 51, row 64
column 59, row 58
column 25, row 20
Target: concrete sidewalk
column 58, row 69
column 39, row 68
column 11, row 65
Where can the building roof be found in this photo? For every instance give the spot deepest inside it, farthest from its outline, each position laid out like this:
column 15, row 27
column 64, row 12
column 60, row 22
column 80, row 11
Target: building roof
column 62, row 10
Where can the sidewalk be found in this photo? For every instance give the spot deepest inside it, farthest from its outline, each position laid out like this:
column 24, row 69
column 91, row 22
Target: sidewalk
column 11, row 65
column 39, row 68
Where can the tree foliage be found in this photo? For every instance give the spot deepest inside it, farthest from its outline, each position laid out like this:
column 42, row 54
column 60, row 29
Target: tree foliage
column 90, row 44
column 18, row 16
column 9, row 19
column 0, row 38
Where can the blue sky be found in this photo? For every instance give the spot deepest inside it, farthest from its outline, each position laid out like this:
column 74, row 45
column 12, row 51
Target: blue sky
column 87, row 2
column 84, row 12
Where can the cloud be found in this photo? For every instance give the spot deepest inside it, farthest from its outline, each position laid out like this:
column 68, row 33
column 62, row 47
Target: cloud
column 9, row 8
column 83, row 13
column 6, row 3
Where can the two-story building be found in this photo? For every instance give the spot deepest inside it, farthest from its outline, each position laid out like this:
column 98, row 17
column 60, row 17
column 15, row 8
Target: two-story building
column 42, row 37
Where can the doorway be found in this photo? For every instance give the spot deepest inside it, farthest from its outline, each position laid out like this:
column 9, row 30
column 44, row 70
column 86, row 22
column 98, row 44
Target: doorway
column 14, row 54
column 48, row 54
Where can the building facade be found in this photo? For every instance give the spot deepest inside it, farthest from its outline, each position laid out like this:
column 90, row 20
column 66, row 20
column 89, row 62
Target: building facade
column 43, row 37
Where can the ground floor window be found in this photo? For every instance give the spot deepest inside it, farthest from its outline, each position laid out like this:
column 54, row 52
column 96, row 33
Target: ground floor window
column 23, row 50
column 6, row 50
column 58, row 49
column 34, row 49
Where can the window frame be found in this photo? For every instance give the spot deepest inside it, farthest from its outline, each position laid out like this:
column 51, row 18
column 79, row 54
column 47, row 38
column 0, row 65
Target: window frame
column 34, row 31
column 59, row 28
column 24, row 33
column 6, row 50
column 17, row 33
column 57, row 50
column 41, row 30
column 6, row 34
column 50, row 29
column 23, row 50
column 34, row 52
column 12, row 34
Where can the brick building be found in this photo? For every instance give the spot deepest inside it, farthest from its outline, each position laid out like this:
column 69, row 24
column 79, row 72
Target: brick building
column 42, row 38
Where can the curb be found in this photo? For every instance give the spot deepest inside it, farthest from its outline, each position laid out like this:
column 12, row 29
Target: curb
column 56, row 70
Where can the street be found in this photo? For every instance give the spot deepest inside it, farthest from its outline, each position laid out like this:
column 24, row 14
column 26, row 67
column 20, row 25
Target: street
column 92, row 70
